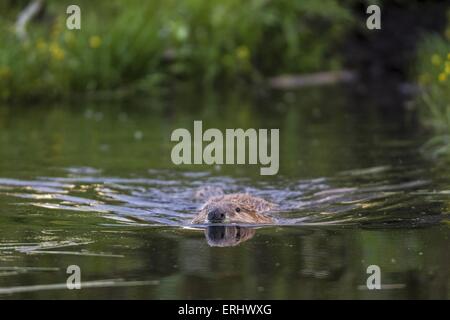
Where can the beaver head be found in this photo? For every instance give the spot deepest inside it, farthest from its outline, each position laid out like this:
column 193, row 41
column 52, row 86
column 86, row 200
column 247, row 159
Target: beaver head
column 225, row 210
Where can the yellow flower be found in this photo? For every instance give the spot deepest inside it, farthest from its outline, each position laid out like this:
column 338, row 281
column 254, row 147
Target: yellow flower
column 5, row 72
column 436, row 59
column 447, row 67
column 56, row 52
column 243, row 53
column 95, row 42
column 442, row 77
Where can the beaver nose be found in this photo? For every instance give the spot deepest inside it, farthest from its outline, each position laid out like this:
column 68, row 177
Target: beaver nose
column 216, row 215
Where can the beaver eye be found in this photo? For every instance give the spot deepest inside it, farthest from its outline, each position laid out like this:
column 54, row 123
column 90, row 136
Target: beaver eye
column 238, row 209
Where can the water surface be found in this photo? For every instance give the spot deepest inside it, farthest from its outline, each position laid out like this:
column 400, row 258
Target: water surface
column 91, row 184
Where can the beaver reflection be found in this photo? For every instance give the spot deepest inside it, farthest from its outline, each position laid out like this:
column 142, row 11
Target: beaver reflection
column 227, row 236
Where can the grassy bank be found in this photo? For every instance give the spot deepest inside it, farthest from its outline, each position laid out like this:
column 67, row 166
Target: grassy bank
column 142, row 46
column 434, row 80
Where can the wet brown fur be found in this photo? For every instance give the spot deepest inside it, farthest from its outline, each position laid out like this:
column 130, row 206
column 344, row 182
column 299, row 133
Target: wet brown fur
column 251, row 209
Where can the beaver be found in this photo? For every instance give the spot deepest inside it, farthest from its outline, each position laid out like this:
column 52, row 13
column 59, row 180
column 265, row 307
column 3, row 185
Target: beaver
column 235, row 208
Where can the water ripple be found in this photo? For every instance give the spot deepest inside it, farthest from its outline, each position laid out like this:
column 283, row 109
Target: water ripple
column 380, row 195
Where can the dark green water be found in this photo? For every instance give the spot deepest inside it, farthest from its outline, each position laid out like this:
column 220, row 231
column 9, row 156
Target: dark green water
column 92, row 184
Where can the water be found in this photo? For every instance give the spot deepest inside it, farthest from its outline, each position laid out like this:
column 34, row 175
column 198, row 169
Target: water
column 91, row 184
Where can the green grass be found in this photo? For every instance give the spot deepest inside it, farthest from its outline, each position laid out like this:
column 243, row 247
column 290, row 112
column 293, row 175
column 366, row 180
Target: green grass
column 137, row 46
column 434, row 78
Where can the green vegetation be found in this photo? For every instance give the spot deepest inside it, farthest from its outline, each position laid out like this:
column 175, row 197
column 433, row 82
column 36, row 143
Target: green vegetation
column 434, row 79
column 137, row 46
